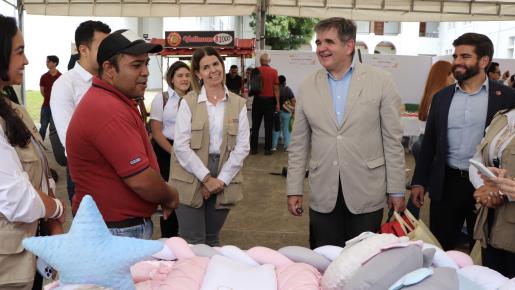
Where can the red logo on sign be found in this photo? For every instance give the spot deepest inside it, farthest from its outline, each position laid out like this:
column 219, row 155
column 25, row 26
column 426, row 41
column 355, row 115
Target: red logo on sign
column 174, row 39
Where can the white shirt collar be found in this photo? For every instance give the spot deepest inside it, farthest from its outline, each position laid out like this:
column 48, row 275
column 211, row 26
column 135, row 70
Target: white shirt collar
column 203, row 95
column 172, row 93
column 84, row 74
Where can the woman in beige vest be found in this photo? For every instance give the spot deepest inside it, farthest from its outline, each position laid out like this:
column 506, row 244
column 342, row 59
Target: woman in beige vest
column 24, row 173
column 211, row 143
column 495, row 224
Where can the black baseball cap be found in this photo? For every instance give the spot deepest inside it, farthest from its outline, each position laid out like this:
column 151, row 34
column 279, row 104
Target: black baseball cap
column 124, row 41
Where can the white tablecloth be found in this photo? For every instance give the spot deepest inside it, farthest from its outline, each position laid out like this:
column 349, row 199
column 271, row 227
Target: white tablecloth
column 412, row 126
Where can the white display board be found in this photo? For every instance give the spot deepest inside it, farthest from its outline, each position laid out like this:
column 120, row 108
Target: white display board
column 294, row 65
column 409, row 72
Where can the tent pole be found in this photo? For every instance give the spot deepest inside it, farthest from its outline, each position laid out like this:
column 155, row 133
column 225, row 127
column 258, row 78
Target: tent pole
column 9, row 3
column 20, row 9
column 260, row 24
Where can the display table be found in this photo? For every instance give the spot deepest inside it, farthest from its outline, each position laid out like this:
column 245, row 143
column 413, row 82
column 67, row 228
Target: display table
column 411, row 125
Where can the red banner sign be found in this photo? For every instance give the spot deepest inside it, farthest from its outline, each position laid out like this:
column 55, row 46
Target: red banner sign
column 187, row 39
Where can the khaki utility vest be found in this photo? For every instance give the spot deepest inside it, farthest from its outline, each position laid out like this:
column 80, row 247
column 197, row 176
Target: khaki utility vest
column 502, row 233
column 18, row 265
column 186, row 183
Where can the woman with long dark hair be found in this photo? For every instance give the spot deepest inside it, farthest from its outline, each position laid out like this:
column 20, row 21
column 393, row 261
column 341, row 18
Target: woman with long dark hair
column 162, row 121
column 439, row 77
column 211, row 142
column 26, row 188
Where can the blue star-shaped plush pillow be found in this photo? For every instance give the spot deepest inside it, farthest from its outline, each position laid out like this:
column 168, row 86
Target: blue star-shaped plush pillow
column 89, row 253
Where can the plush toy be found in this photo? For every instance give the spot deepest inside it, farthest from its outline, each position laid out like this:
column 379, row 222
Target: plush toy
column 461, row 259
column 360, row 265
column 330, row 252
column 184, row 274
column 305, row 255
column 238, row 254
column 264, row 255
column 203, row 250
column 341, row 270
column 387, row 267
column 90, row 254
column 441, row 259
column 298, row 276
column 485, row 277
column 428, row 279
column 226, row 273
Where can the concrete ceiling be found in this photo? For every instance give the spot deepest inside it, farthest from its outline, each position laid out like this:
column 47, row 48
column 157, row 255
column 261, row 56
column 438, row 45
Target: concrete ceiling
column 382, row 10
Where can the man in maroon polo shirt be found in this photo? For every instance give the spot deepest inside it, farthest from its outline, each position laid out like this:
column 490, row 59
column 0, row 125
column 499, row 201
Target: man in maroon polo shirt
column 265, row 104
column 45, row 86
column 109, row 153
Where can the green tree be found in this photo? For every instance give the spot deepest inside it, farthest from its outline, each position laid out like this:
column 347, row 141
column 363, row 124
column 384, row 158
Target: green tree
column 285, row 32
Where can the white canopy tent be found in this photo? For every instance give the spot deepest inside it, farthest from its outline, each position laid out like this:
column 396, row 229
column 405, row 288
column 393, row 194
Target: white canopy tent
column 387, row 10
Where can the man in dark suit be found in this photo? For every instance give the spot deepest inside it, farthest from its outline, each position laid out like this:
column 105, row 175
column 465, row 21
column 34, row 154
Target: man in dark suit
column 457, row 119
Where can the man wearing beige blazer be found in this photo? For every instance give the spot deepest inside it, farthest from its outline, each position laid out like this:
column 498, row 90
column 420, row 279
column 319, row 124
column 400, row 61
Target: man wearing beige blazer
column 347, row 126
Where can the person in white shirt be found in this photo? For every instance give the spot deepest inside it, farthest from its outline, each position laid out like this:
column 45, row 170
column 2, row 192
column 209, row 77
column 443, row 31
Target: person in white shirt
column 162, row 122
column 211, row 143
column 26, row 189
column 163, row 113
column 72, row 85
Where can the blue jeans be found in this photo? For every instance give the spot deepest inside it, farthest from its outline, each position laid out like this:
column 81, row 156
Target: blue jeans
column 143, row 231
column 46, row 115
column 285, row 129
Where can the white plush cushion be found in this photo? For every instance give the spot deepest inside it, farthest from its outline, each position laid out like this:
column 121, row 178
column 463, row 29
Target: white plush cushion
column 238, row 254
column 56, row 286
column 341, row 270
column 165, row 254
column 361, row 237
column 508, row 286
column 224, row 272
column 203, row 250
column 485, row 277
column 330, row 252
column 467, row 284
column 441, row 259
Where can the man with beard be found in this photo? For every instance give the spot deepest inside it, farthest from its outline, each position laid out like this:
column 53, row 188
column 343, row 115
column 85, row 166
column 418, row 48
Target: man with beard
column 457, row 120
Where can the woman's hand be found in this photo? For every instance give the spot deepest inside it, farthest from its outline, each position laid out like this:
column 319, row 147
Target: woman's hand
column 506, row 184
column 214, row 185
column 488, row 196
column 205, row 193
